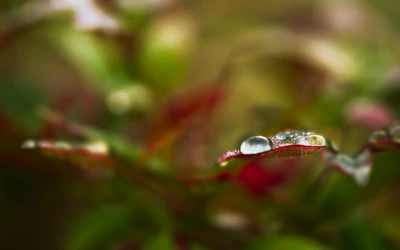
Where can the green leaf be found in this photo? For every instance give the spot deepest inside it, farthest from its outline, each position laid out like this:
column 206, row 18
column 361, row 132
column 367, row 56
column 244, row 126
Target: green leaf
column 19, row 101
column 287, row 242
column 101, row 229
column 162, row 241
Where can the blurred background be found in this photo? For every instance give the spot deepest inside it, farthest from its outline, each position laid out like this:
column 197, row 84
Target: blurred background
column 160, row 89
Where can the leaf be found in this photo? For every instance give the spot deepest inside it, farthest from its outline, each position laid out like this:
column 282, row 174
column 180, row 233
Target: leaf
column 299, row 142
column 359, row 166
column 117, row 145
column 89, row 156
column 286, row 242
column 101, row 229
column 283, row 144
column 161, row 241
column 182, row 112
column 359, row 233
column 19, row 101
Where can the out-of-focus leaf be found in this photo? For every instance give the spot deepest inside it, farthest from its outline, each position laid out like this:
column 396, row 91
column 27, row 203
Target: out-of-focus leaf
column 260, row 180
column 19, row 101
column 161, row 241
column 101, row 229
column 182, row 112
column 198, row 247
column 92, row 156
column 164, row 59
column 118, row 146
column 286, row 242
column 96, row 61
column 372, row 115
column 359, row 234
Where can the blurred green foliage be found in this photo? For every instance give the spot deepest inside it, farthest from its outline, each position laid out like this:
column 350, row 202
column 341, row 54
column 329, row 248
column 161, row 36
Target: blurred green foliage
column 163, row 88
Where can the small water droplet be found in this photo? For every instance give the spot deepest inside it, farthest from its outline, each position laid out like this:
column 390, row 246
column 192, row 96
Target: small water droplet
column 312, row 140
column 255, row 145
column 395, row 133
column 377, row 136
column 281, row 136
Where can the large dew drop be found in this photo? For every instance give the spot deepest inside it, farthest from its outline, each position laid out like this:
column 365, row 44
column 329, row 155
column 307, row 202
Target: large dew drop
column 255, row 145
column 312, row 140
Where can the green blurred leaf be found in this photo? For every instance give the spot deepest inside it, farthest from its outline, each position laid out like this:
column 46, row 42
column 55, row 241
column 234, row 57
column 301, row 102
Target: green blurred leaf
column 359, row 234
column 163, row 65
column 94, row 58
column 286, row 243
column 101, row 229
column 198, row 247
column 162, row 241
column 19, row 101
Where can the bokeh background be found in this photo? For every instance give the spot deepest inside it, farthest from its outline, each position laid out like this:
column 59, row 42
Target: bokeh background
column 163, row 88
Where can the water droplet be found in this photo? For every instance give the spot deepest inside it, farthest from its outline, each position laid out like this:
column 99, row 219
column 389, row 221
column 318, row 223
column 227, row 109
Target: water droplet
column 312, row 140
column 395, row 133
column 281, row 136
column 255, row 145
column 377, row 136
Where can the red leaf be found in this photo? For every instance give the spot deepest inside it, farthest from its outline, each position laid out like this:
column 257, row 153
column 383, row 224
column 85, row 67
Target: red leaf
column 283, row 144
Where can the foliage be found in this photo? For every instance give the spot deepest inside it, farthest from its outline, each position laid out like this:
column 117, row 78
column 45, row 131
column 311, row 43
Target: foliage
column 117, row 117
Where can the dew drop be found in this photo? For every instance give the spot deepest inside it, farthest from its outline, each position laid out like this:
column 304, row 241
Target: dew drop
column 395, row 133
column 255, row 145
column 281, row 136
column 377, row 136
column 312, row 140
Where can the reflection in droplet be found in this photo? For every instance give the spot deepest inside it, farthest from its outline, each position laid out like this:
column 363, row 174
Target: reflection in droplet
column 312, row 140
column 395, row 133
column 255, row 145
column 377, row 136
